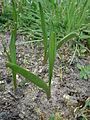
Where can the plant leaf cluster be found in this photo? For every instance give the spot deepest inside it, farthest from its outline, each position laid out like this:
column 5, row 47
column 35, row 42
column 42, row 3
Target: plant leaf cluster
column 84, row 71
column 51, row 21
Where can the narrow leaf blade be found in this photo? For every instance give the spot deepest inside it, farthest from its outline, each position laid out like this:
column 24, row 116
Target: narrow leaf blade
column 52, row 54
column 66, row 39
column 44, row 31
column 29, row 76
column 13, row 41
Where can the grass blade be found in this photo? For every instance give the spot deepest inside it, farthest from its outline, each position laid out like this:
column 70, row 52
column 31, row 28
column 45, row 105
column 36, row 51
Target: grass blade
column 44, row 32
column 52, row 54
column 12, row 46
column 29, row 76
column 14, row 14
column 66, row 39
column 52, row 117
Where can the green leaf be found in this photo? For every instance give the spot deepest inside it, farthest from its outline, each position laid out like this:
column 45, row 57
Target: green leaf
column 84, row 71
column 52, row 117
column 29, row 76
column 12, row 46
column 87, row 31
column 83, row 50
column 79, row 66
column 85, row 37
column 14, row 11
column 66, row 39
column 52, row 54
column 85, row 76
column 82, row 74
column 44, row 32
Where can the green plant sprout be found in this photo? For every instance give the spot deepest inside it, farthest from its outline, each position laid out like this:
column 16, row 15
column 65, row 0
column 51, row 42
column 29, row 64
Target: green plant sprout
column 51, row 45
column 84, row 71
column 33, row 78
column 55, row 116
column 51, row 51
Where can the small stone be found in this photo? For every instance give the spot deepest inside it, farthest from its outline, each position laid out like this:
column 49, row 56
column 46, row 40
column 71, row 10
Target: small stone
column 71, row 101
column 66, row 97
column 1, row 82
column 0, row 53
column 21, row 115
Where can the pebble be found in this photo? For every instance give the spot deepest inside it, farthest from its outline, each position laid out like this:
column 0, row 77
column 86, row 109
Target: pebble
column 1, row 82
column 70, row 100
column 21, row 116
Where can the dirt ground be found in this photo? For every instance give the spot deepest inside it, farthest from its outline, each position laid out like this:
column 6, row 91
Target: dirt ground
column 68, row 91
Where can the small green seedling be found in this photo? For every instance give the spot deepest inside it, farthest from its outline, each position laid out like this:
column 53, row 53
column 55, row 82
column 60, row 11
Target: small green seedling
column 33, row 78
column 84, row 71
column 50, row 48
